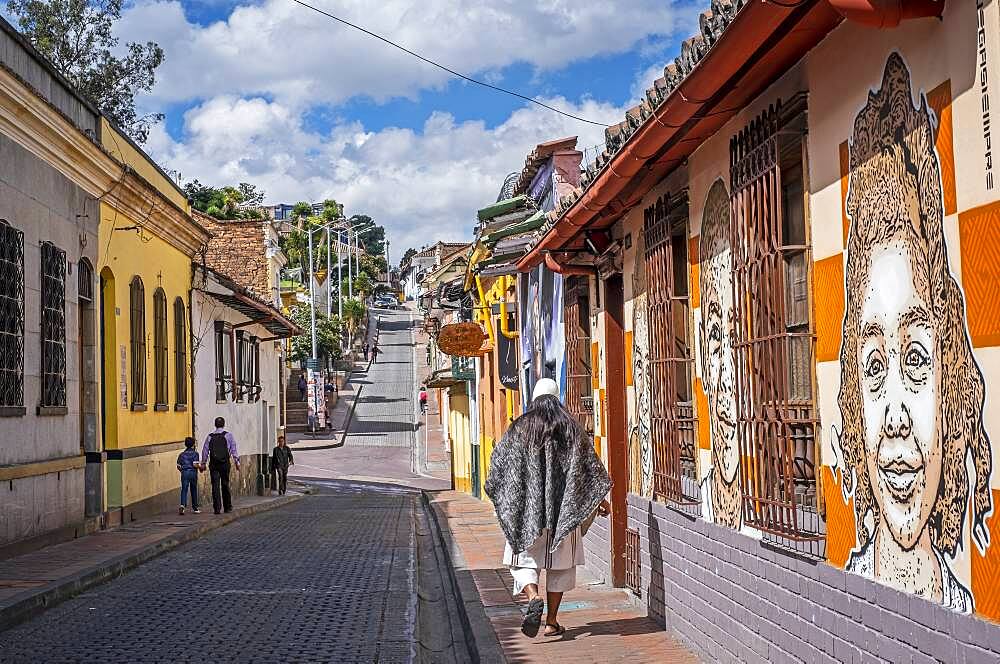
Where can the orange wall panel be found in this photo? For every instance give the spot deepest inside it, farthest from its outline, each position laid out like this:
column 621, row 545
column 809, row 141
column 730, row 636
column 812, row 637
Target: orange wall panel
column 828, row 285
column 704, row 425
column 940, row 100
column 693, row 259
column 628, row 358
column 845, row 172
column 979, row 236
column 841, row 536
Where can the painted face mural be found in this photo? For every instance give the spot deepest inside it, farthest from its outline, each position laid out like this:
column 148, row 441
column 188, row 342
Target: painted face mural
column 718, row 370
column 640, row 446
column 911, row 395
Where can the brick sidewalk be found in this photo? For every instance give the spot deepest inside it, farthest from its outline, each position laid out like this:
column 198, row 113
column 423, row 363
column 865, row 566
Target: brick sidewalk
column 34, row 581
column 602, row 625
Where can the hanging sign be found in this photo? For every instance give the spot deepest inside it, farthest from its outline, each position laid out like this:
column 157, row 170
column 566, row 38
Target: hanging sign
column 462, row 339
column 507, row 365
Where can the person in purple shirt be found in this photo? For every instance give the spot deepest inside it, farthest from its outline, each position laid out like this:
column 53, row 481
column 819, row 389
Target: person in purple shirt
column 219, row 448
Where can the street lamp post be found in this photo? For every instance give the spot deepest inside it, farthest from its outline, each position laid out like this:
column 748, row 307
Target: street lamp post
column 312, row 288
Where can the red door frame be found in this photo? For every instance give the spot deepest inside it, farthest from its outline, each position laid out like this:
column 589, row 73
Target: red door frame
column 617, row 429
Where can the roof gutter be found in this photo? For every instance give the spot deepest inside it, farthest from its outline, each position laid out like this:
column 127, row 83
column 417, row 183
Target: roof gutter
column 567, row 270
column 750, row 30
column 883, row 14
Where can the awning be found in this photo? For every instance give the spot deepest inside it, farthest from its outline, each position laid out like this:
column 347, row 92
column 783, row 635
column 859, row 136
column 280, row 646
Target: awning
column 441, row 378
column 271, row 319
column 531, row 223
column 501, row 207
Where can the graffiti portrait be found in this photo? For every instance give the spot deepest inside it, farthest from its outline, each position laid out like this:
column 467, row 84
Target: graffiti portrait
column 640, row 446
column 911, row 398
column 720, row 488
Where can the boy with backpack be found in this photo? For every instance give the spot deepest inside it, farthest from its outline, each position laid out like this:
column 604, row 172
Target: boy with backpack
column 187, row 463
column 219, row 448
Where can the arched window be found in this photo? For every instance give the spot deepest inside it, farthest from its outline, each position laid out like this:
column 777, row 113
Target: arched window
column 85, row 281
column 11, row 320
column 160, row 349
column 53, row 329
column 180, row 353
column 137, row 342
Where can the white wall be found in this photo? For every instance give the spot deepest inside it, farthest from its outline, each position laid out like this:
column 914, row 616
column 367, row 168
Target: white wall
column 244, row 420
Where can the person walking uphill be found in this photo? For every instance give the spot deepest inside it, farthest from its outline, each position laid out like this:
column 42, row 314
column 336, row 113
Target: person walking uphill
column 546, row 483
column 281, row 459
column 219, row 448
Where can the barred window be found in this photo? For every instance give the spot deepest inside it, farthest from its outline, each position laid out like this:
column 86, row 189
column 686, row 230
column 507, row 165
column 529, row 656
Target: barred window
column 579, row 386
column 673, row 422
column 84, row 281
column 223, row 361
column 255, row 386
column 160, row 356
column 774, row 337
column 11, row 320
column 137, row 342
column 242, row 366
column 180, row 353
column 53, row 326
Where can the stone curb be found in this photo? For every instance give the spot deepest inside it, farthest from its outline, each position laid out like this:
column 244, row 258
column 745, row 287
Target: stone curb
column 481, row 640
column 32, row 602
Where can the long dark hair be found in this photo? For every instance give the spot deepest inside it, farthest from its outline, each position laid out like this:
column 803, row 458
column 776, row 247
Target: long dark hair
column 547, row 422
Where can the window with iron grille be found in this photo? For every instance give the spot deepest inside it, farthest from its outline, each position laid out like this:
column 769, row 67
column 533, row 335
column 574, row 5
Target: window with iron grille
column 579, row 388
column 774, row 337
column 223, row 361
column 11, row 320
column 633, row 565
column 84, row 281
column 53, row 326
column 160, row 354
column 673, row 422
column 242, row 366
column 137, row 342
column 180, row 353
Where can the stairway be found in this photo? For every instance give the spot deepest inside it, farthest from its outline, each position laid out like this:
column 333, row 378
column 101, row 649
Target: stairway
column 296, row 410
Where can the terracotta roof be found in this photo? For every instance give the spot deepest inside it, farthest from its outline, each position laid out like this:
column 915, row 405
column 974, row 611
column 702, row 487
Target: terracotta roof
column 539, row 156
column 712, row 23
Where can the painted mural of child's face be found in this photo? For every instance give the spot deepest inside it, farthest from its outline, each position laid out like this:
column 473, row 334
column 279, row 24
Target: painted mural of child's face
column 717, row 330
column 900, row 386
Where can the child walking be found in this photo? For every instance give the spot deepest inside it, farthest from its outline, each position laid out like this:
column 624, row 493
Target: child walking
column 187, row 463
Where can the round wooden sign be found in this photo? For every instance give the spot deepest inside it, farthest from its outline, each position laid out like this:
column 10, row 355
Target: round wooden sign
column 462, row 339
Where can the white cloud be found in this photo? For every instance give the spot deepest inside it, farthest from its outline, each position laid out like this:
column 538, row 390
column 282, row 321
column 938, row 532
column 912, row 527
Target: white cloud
column 422, row 185
column 284, row 51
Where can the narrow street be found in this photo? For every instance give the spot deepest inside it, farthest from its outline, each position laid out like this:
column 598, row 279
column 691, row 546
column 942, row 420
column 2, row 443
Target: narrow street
column 330, row 578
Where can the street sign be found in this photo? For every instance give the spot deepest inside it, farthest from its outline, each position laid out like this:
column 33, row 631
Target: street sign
column 312, row 363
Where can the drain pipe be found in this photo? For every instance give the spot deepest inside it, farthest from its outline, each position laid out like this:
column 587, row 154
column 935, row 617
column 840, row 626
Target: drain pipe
column 883, row 14
column 567, row 270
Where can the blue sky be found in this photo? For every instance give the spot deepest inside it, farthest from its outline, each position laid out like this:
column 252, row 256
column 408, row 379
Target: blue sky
column 272, row 93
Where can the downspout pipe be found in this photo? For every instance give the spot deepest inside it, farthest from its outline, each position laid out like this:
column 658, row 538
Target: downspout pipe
column 567, row 270
column 884, row 14
column 486, row 317
column 504, row 320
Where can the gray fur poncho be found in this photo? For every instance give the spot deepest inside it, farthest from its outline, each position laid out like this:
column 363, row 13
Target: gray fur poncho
column 536, row 484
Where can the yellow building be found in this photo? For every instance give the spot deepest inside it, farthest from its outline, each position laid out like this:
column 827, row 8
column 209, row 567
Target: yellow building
column 146, row 345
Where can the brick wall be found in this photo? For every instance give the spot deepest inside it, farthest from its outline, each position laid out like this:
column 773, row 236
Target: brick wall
column 597, row 548
column 734, row 599
column 237, row 251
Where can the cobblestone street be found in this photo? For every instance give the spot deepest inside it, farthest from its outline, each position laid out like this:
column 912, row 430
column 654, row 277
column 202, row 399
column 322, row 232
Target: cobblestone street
column 329, row 578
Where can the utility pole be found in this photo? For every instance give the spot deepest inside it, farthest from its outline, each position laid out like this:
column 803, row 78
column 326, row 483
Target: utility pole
column 350, row 250
column 340, row 279
column 329, row 276
column 312, row 296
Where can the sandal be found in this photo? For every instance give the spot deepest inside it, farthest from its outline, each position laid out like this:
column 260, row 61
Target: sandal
column 533, row 618
column 559, row 631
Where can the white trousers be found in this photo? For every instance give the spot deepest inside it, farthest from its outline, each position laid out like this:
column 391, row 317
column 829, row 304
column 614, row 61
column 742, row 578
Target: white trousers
column 556, row 580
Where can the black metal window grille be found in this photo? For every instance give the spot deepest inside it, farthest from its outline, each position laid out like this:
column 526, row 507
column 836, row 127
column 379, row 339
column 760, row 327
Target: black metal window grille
column 255, row 386
column 223, row 361
column 160, row 353
column 242, row 365
column 774, row 337
column 85, row 281
column 633, row 569
column 673, row 421
column 53, row 327
column 579, row 386
column 180, row 353
column 11, row 320
column 137, row 342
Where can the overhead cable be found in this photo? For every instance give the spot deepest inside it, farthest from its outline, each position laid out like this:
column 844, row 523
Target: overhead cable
column 445, row 68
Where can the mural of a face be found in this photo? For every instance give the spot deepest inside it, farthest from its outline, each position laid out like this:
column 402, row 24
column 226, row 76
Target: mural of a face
column 911, row 395
column 718, row 367
column 642, row 449
column 899, row 391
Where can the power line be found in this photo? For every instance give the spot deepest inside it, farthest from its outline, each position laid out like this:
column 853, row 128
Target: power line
column 443, row 67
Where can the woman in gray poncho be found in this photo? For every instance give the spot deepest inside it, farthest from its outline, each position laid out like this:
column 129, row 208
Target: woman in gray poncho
column 546, row 483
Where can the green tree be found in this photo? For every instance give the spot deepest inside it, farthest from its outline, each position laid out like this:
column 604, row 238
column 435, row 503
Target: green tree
column 407, row 255
column 363, row 284
column 354, row 314
column 373, row 241
column 78, row 37
column 328, row 335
